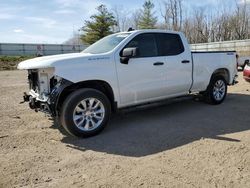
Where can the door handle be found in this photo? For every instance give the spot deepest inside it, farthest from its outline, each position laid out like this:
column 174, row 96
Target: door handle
column 185, row 61
column 158, row 63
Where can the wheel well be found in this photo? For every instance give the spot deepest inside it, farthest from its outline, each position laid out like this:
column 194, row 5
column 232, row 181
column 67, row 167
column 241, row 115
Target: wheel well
column 222, row 72
column 99, row 85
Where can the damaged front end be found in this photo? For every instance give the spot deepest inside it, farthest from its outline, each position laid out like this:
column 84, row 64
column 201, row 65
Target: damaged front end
column 45, row 89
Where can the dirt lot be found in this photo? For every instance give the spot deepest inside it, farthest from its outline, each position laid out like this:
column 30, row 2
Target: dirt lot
column 184, row 143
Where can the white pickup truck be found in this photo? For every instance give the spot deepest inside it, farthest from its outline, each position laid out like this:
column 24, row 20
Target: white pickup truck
column 123, row 70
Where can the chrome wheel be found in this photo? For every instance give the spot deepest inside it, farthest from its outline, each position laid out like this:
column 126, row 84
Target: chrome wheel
column 89, row 114
column 219, row 90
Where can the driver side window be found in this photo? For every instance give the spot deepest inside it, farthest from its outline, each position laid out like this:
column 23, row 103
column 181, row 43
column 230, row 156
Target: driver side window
column 146, row 45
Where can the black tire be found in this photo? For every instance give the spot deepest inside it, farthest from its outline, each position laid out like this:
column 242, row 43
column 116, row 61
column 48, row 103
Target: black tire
column 69, row 109
column 209, row 95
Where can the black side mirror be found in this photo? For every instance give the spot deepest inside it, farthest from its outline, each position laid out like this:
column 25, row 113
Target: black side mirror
column 128, row 53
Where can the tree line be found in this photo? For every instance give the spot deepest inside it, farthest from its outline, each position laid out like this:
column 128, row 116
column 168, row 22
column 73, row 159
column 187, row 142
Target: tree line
column 199, row 25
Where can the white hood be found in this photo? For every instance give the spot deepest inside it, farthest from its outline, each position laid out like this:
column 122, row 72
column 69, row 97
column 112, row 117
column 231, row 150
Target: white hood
column 50, row 61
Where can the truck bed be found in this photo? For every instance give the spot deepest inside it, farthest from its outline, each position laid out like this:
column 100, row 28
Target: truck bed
column 204, row 63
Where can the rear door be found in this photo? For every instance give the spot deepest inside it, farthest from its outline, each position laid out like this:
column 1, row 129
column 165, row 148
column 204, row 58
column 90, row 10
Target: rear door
column 178, row 63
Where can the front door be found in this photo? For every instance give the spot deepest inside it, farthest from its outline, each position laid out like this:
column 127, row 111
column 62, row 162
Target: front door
column 143, row 78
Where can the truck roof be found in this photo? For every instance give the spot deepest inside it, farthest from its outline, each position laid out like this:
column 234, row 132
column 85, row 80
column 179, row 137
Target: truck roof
column 152, row 31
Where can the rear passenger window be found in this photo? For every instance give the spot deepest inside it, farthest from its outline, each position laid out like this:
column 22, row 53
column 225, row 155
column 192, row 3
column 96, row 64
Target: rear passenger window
column 169, row 44
column 146, row 44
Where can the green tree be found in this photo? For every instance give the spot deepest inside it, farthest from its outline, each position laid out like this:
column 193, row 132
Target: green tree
column 99, row 26
column 147, row 19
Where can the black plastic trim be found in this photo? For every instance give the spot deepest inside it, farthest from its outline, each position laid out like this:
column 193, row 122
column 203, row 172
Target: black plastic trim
column 55, row 94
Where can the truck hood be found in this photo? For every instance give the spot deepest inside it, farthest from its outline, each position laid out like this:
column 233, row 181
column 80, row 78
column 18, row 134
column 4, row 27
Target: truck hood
column 53, row 60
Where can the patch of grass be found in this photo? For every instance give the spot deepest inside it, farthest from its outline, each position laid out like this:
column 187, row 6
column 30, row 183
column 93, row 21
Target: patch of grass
column 11, row 62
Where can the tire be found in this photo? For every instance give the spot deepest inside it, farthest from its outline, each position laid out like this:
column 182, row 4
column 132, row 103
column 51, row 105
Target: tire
column 85, row 112
column 216, row 91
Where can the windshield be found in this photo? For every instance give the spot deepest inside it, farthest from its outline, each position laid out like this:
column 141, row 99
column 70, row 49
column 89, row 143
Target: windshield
column 106, row 44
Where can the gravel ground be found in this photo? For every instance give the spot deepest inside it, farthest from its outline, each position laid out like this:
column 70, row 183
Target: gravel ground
column 183, row 143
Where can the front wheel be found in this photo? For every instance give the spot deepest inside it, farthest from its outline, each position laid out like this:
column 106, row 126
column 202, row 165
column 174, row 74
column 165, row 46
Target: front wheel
column 216, row 91
column 85, row 112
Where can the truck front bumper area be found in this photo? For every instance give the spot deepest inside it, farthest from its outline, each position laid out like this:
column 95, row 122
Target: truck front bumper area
column 49, row 106
column 37, row 105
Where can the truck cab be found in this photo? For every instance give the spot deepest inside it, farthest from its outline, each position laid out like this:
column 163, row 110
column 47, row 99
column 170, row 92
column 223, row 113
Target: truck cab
column 123, row 70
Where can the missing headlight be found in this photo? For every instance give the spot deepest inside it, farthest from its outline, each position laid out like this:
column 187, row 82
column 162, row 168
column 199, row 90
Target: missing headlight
column 53, row 82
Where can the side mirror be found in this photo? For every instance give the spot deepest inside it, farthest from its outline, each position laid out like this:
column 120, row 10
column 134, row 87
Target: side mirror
column 128, row 53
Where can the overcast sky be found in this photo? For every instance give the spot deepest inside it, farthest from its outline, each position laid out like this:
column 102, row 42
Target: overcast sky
column 53, row 21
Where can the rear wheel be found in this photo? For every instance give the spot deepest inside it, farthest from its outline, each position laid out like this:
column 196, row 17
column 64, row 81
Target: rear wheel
column 85, row 112
column 216, row 91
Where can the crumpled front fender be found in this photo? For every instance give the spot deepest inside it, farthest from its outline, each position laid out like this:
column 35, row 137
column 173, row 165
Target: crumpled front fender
column 55, row 95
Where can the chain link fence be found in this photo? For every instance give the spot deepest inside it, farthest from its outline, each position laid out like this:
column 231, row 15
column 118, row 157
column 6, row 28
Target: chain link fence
column 10, row 49
column 241, row 46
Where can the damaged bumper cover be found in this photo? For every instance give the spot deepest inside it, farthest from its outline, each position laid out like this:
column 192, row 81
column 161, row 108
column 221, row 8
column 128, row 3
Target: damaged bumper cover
column 48, row 106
